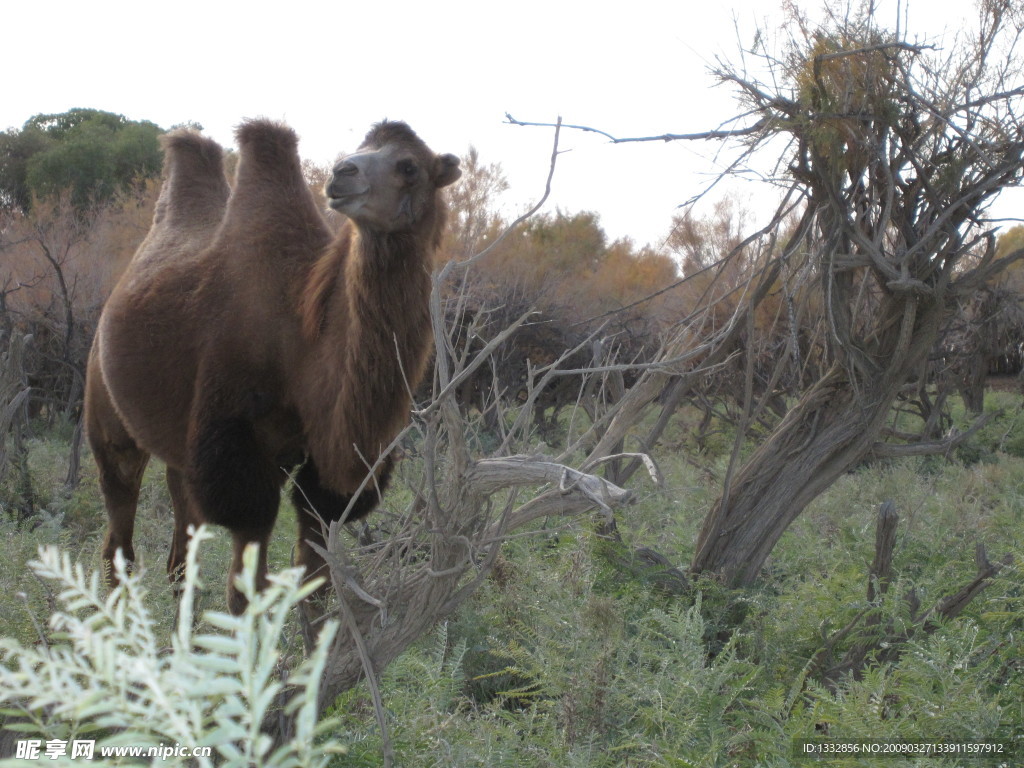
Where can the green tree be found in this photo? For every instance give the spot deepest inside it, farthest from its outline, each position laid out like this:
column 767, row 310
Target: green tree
column 90, row 154
column 16, row 149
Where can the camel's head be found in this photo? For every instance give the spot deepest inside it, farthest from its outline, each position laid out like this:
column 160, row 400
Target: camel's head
column 390, row 183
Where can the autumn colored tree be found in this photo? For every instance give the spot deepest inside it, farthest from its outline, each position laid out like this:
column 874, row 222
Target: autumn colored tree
column 57, row 265
column 561, row 267
column 1012, row 278
column 76, row 193
column 474, row 202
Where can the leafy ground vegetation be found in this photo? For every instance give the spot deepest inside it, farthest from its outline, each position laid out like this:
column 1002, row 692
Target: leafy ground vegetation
column 568, row 657
column 574, row 653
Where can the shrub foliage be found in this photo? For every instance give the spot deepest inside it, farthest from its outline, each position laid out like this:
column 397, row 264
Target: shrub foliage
column 102, row 673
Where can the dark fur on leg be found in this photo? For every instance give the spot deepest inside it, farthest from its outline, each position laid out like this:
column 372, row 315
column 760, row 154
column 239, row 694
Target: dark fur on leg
column 309, row 495
column 316, row 506
column 233, row 483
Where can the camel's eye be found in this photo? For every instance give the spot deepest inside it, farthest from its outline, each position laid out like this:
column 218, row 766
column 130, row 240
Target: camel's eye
column 407, row 168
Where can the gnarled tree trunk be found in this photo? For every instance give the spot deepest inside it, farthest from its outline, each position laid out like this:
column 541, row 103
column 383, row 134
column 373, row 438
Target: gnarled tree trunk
column 832, row 428
column 898, row 154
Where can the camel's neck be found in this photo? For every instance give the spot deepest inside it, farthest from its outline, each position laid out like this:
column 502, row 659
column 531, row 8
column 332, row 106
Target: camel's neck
column 383, row 337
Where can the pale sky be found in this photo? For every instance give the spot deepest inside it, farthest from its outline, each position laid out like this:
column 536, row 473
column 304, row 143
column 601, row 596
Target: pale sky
column 451, row 69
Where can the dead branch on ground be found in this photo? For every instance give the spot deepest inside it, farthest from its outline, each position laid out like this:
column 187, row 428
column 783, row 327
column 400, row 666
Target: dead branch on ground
column 884, row 643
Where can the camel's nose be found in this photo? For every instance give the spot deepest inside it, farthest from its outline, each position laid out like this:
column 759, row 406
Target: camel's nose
column 346, row 168
column 348, row 186
column 342, row 182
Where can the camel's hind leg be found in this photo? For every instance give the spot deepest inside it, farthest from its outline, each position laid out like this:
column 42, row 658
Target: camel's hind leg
column 121, row 463
column 185, row 514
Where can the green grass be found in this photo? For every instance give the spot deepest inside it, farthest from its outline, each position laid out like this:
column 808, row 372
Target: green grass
column 564, row 659
column 76, row 520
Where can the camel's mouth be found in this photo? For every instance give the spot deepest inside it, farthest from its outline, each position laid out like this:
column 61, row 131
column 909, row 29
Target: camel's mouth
column 343, row 202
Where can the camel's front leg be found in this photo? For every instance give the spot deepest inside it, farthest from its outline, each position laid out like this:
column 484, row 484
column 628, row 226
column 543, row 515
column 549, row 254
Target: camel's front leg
column 317, row 507
column 234, row 483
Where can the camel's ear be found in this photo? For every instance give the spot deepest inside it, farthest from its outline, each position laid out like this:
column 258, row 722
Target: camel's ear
column 446, row 170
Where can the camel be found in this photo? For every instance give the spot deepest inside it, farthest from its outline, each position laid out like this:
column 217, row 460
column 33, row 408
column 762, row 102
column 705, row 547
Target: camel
column 266, row 347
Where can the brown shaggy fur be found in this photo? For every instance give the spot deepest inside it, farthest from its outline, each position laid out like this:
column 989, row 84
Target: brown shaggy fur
column 238, row 352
